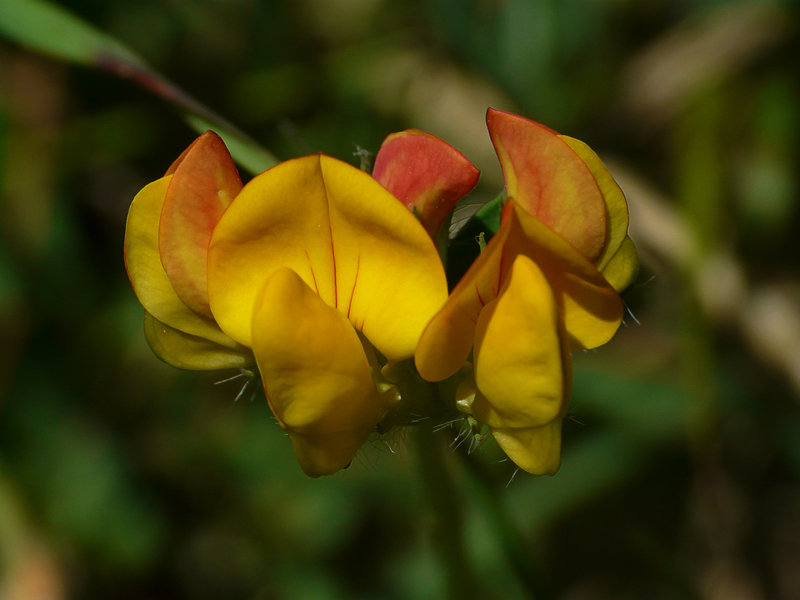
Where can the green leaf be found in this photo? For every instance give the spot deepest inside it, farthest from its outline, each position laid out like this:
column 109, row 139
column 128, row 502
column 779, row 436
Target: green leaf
column 488, row 216
column 472, row 237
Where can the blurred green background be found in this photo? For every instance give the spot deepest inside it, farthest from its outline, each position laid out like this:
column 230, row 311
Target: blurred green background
column 123, row 478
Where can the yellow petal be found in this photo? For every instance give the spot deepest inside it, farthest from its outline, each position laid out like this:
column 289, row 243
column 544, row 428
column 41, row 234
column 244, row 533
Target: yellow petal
column 347, row 238
column 447, row 340
column 623, row 267
column 148, row 278
column 616, row 205
column 519, row 359
column 549, row 180
column 316, row 375
column 204, row 183
column 536, row 450
column 186, row 351
column 320, row 455
column 590, row 308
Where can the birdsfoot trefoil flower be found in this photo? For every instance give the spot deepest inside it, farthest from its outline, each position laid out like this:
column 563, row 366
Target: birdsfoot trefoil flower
column 545, row 283
column 329, row 280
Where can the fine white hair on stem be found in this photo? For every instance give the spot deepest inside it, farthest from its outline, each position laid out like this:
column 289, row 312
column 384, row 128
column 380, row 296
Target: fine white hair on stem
column 574, row 419
column 232, row 378
column 242, row 391
column 388, row 445
column 629, row 312
column 513, row 475
column 474, row 443
column 446, row 424
column 462, row 435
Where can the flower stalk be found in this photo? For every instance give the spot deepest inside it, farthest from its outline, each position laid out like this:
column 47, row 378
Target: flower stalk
column 446, row 518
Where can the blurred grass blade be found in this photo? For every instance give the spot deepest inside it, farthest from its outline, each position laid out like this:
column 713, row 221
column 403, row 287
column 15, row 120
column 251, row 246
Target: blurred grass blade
column 49, row 29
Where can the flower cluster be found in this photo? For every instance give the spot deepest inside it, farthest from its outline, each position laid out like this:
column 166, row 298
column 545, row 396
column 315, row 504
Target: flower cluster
column 328, row 278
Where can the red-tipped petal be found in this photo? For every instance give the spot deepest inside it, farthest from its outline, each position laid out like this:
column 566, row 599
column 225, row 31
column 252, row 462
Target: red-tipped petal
column 426, row 173
column 204, row 183
column 180, row 158
column 155, row 292
column 550, row 180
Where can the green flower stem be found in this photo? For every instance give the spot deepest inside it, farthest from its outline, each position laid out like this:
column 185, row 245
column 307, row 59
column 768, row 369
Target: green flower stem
column 446, row 518
column 513, row 545
column 424, row 400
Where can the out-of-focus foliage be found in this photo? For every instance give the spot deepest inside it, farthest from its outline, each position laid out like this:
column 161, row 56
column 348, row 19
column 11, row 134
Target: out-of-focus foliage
column 122, row 478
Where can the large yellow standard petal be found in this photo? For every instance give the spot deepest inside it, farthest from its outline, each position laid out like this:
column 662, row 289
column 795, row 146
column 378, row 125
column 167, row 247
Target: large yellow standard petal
column 203, row 185
column 347, row 238
column 518, row 357
column 550, row 180
column 316, row 374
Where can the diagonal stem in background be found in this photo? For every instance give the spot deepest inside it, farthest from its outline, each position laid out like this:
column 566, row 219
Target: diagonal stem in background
column 47, row 28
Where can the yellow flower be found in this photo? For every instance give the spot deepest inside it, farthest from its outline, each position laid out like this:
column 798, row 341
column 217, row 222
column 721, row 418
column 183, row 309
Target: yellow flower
column 166, row 245
column 320, row 274
column 316, row 267
column 547, row 282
